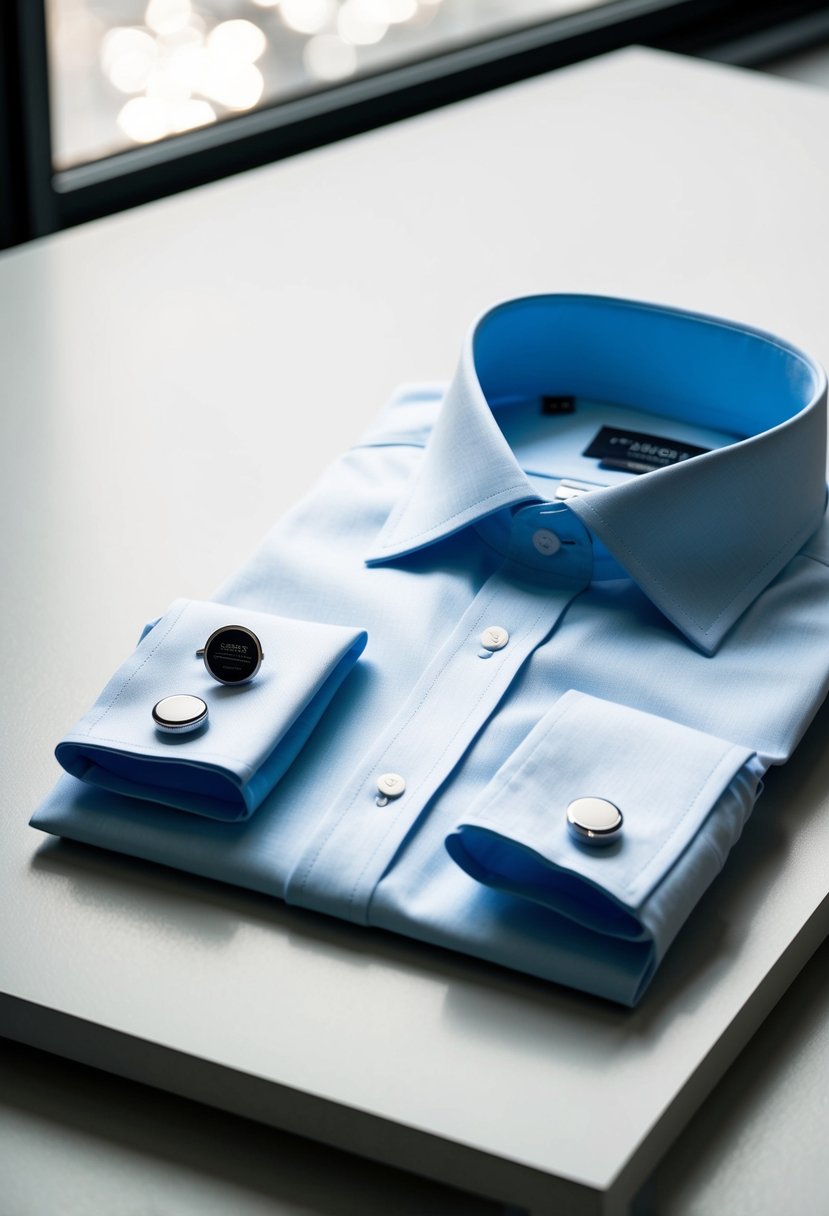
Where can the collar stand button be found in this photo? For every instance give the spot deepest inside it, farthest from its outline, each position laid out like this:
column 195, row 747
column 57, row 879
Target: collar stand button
column 546, row 542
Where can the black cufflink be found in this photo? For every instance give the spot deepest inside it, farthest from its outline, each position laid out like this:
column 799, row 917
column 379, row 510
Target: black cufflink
column 232, row 654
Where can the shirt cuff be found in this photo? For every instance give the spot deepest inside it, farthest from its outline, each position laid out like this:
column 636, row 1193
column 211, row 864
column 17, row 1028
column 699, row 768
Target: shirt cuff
column 684, row 796
column 255, row 730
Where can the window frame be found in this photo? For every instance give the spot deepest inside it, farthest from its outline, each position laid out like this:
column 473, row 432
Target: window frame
column 37, row 200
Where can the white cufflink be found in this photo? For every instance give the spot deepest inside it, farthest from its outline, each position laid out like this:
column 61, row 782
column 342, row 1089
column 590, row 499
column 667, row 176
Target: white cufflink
column 594, row 821
column 180, row 714
column 232, row 654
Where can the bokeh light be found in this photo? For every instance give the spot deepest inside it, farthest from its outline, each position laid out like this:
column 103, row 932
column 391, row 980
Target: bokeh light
column 327, row 57
column 144, row 119
column 237, row 40
column 307, row 16
column 128, row 57
column 128, row 72
column 168, row 16
column 356, row 24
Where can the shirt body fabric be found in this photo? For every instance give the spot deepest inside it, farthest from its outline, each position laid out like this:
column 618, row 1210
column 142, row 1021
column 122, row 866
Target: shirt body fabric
column 595, row 566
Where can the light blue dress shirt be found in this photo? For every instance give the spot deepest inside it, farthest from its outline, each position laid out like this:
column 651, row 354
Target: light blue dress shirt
column 557, row 598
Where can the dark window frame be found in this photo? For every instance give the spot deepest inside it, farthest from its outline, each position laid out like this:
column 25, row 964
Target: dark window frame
column 35, row 200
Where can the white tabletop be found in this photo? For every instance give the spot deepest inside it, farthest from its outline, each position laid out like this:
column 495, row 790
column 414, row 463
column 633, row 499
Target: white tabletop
column 140, row 353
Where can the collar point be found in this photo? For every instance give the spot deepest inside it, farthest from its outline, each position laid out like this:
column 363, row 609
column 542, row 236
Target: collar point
column 706, row 639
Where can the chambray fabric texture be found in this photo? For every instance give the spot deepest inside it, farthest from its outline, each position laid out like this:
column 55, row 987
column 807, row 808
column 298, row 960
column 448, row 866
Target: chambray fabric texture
column 665, row 647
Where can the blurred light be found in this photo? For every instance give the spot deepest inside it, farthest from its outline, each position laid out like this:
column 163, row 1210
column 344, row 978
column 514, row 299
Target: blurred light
column 232, row 83
column 238, row 40
column 188, row 36
column 172, row 81
column 144, row 119
column 123, row 41
column 167, row 16
column 425, row 15
column 187, row 115
column 386, row 12
column 191, row 60
column 181, row 65
column 127, row 59
column 74, row 38
column 307, row 16
column 357, row 25
column 327, row 57
column 393, row 11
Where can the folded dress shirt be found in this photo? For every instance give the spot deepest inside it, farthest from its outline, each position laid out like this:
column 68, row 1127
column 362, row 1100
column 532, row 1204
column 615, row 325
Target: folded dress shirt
column 596, row 566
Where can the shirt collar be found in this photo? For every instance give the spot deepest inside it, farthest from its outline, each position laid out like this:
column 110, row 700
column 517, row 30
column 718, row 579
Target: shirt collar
column 702, row 538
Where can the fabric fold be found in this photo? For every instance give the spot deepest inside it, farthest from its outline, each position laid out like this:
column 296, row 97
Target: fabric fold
column 255, row 730
column 667, row 779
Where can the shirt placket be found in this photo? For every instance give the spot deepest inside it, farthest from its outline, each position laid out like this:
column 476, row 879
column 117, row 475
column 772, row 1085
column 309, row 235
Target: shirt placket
column 548, row 563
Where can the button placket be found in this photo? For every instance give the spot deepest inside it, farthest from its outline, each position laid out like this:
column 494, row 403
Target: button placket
column 425, row 740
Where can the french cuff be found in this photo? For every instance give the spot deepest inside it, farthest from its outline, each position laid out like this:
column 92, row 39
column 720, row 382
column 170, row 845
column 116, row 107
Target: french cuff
column 255, row 731
column 684, row 796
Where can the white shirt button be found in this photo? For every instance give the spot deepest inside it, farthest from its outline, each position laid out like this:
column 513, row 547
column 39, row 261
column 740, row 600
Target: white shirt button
column 546, row 542
column 494, row 637
column 391, row 785
column 594, row 821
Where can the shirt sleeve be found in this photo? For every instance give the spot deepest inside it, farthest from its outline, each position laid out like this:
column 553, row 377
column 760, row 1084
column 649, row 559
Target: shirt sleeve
column 684, row 797
column 254, row 731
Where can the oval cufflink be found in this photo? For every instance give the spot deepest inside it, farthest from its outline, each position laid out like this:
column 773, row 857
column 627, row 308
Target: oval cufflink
column 232, row 654
column 594, row 821
column 180, row 714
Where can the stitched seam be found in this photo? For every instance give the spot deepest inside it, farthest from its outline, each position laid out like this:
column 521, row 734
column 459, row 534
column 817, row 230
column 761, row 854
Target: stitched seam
column 391, row 441
column 721, row 763
column 515, row 665
column 146, row 660
column 557, row 714
column 451, row 518
column 511, row 785
column 591, row 509
column 403, row 726
column 205, row 759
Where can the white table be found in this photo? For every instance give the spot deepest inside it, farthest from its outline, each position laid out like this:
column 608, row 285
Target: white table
column 286, row 303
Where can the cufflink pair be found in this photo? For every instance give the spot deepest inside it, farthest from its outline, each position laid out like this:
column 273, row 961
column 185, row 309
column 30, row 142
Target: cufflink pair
column 232, row 655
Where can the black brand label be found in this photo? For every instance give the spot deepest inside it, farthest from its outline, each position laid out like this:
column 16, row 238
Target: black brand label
column 635, row 452
column 558, row 405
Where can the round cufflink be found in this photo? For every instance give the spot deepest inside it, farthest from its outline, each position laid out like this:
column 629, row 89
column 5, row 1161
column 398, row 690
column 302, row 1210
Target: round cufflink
column 232, row 654
column 594, row 821
column 179, row 714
